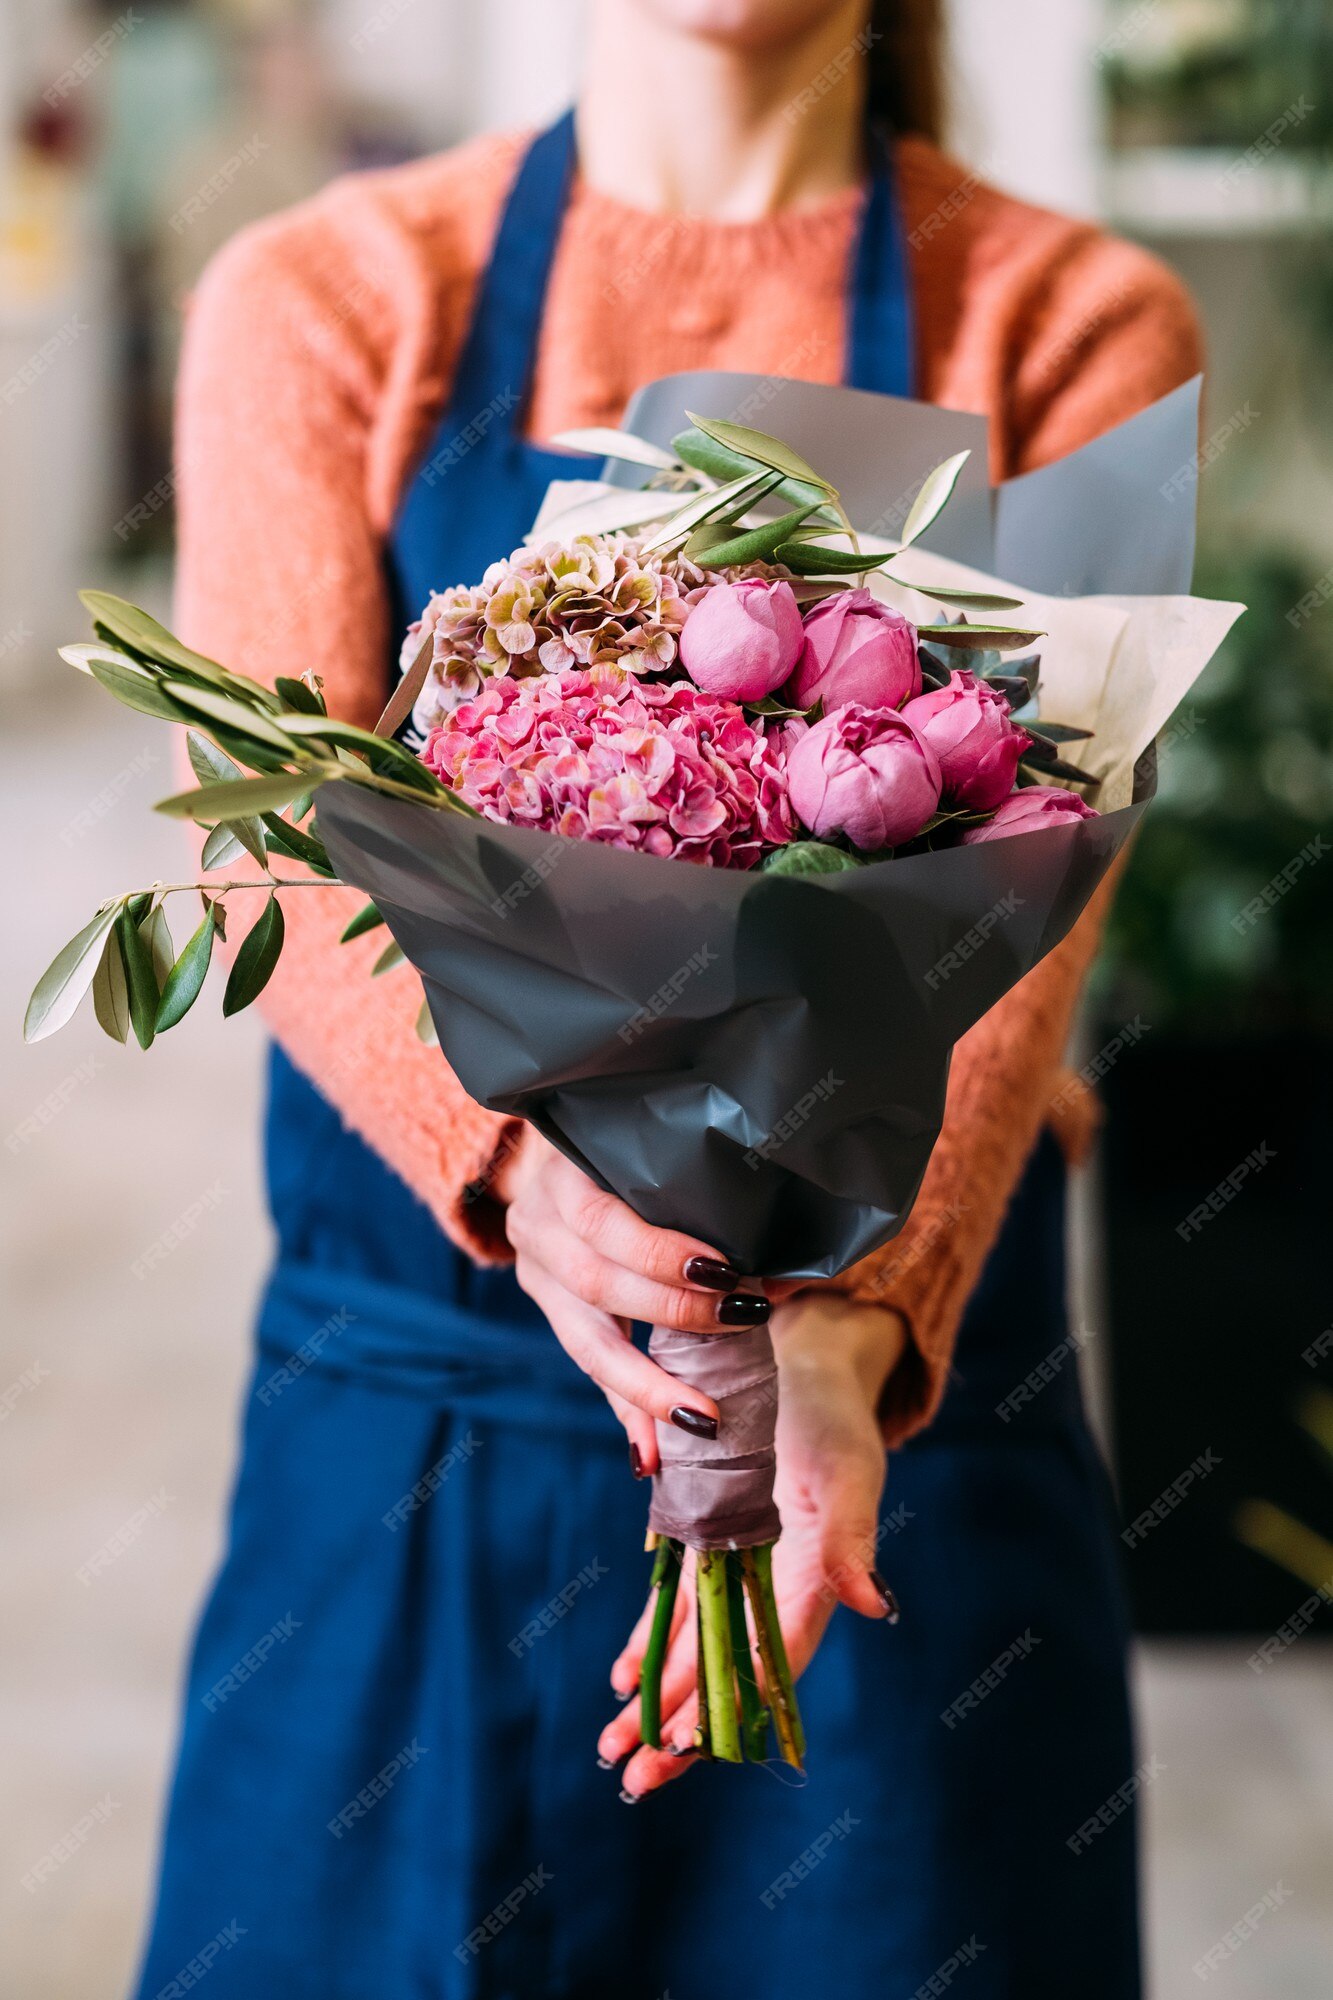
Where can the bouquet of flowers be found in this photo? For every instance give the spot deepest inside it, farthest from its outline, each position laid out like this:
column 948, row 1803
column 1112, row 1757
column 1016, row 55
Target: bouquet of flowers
column 706, row 852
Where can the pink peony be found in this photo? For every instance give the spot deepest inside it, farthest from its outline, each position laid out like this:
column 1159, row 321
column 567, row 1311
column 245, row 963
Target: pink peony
column 856, row 649
column 968, row 727
column 653, row 765
column 864, row 772
column 1023, row 812
column 741, row 640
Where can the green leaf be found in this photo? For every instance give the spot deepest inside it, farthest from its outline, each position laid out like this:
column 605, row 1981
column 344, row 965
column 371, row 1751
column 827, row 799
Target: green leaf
column 391, row 955
column 221, row 847
column 932, row 496
column 602, row 442
column 111, row 994
column 134, row 629
column 67, row 978
column 366, row 919
column 300, row 695
column 703, row 454
column 234, row 801
column 765, row 450
column 301, row 806
column 425, row 1027
column 254, row 962
column 157, row 936
column 818, row 559
column 181, row 987
column 773, row 709
column 385, row 755
column 1057, row 732
column 135, row 688
column 738, row 495
column 300, row 846
column 756, row 545
column 138, row 957
column 965, row 600
column 810, row 857
column 998, row 637
column 138, row 906
column 238, row 716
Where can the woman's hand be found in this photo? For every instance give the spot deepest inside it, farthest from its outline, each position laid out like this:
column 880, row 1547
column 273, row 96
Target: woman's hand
column 593, row 1266
column 834, row 1358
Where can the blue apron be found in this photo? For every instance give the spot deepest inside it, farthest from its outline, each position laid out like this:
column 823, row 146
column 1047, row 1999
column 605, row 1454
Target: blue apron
column 387, row 1787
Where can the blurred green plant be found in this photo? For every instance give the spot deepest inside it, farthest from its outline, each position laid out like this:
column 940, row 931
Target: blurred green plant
column 1271, row 1531
column 1177, row 73
column 1225, row 918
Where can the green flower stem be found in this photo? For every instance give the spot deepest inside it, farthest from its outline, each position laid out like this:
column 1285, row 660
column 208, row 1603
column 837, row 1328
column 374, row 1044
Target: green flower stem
column 758, row 1566
column 702, row 1740
column 719, row 1664
column 666, row 1578
column 754, row 1716
column 210, row 888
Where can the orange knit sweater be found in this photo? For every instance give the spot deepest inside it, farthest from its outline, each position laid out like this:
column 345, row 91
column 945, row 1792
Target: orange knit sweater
column 318, row 352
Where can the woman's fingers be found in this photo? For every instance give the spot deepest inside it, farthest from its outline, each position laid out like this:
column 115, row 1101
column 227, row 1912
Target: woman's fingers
column 601, row 1349
column 621, row 1734
column 610, row 1226
column 641, row 1434
column 648, row 1770
column 545, row 1235
column 848, row 1524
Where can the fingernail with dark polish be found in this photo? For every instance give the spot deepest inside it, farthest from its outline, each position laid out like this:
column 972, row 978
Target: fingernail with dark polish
column 606, row 1763
column 680, row 1749
column 708, row 1271
column 694, row 1421
column 622, row 1697
column 744, row 1309
column 628, row 1798
column 635, row 1462
column 886, row 1597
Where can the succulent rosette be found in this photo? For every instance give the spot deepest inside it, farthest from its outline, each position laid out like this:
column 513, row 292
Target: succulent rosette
column 658, row 766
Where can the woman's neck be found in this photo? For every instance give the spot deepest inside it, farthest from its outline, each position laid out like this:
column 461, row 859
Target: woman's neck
column 675, row 123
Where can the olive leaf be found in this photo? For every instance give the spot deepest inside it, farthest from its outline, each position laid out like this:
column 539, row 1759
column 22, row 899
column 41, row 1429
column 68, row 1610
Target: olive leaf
column 111, row 993
column 765, row 450
column 599, row 441
column 134, row 687
column 300, row 695
column 237, row 715
column 67, row 978
column 818, row 559
column 391, row 956
column 137, row 953
column 142, row 634
column 181, row 987
column 384, row 754
column 716, row 461
column 755, row 545
column 290, row 840
column 258, row 954
column 964, row 600
column 425, row 1027
column 157, row 936
column 236, row 800
column 737, row 495
column 366, row 919
column 995, row 637
column 221, row 847
column 932, row 496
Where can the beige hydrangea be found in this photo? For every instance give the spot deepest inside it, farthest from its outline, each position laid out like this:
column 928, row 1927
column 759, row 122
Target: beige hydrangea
column 594, row 601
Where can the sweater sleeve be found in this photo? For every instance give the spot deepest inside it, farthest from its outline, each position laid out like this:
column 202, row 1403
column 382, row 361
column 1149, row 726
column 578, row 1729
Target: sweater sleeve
column 1106, row 330
column 279, row 571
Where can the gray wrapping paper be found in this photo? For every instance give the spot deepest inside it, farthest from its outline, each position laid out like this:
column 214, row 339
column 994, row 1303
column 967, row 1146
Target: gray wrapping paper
column 717, row 1492
column 758, row 1060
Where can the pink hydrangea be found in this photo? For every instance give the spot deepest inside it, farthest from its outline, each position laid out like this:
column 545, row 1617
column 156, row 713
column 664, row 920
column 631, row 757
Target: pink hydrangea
column 654, row 765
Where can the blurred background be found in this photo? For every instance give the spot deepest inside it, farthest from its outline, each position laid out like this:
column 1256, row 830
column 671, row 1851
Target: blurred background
column 135, row 140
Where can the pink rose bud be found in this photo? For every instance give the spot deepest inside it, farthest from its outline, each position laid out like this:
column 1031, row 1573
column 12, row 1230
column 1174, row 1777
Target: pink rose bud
column 967, row 725
column 741, row 640
column 856, row 649
column 1023, row 812
column 864, row 772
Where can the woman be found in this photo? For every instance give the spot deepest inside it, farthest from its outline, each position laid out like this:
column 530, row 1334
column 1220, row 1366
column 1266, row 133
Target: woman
column 431, row 1524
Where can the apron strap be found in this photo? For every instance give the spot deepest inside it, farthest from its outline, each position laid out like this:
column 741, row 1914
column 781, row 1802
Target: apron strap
column 879, row 316
column 501, row 343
